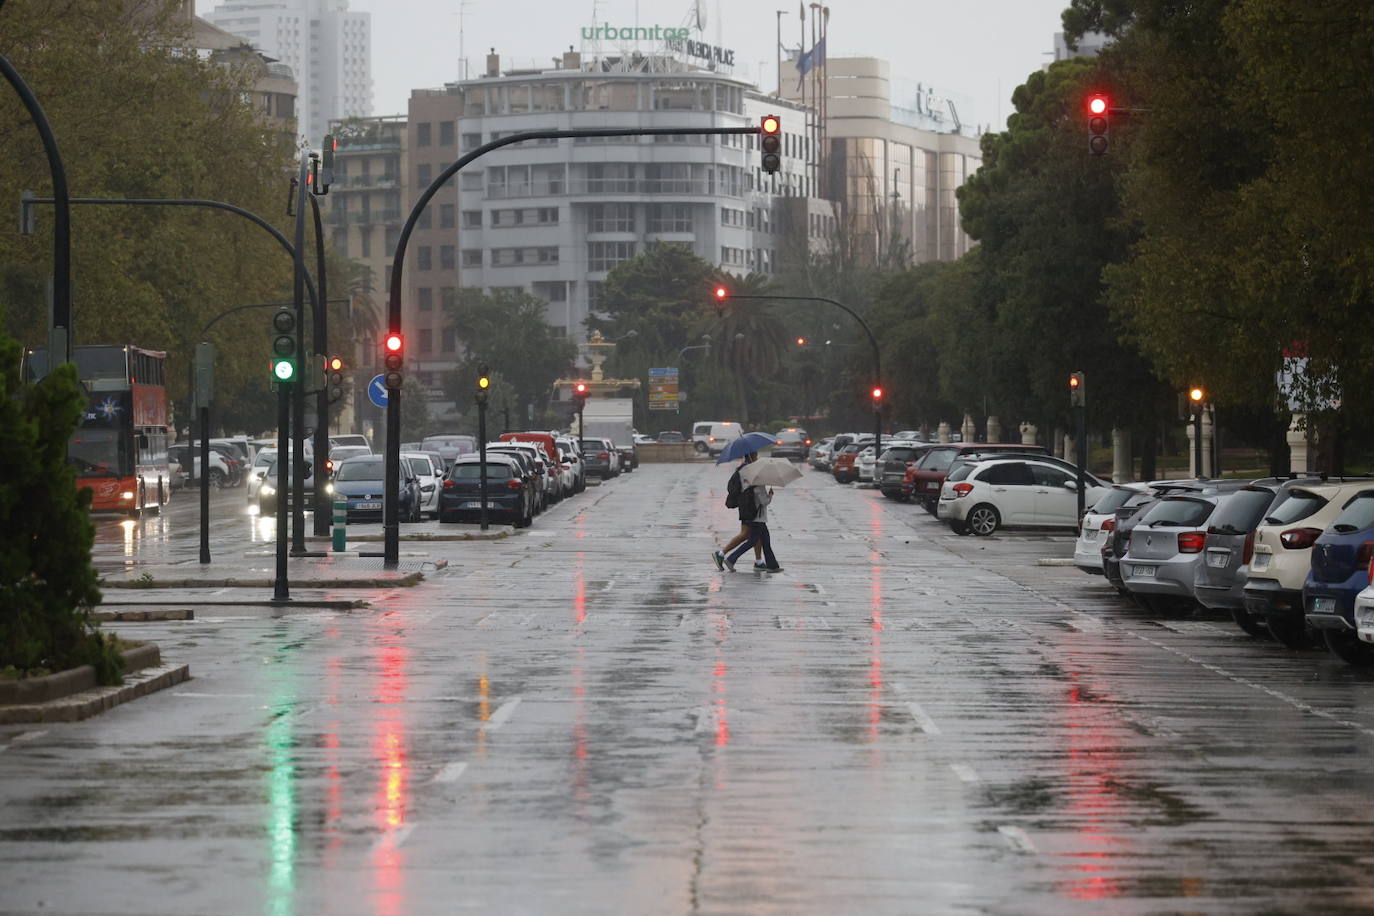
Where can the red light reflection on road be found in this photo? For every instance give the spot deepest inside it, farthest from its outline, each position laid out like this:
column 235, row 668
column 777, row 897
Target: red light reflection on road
column 1094, row 778
column 391, row 801
column 718, row 688
column 577, row 676
column 875, row 652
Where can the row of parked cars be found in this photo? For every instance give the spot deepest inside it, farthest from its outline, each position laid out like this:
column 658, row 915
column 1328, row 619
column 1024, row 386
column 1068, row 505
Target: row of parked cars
column 1288, row 558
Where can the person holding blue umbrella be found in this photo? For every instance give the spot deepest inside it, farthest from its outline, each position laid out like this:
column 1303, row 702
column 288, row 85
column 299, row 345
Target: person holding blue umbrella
column 733, row 490
column 753, row 510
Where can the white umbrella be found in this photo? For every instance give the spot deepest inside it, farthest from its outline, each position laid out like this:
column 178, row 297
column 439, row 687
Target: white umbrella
column 769, row 472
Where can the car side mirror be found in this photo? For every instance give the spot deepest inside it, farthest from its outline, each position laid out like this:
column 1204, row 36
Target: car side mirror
column 1071, row 485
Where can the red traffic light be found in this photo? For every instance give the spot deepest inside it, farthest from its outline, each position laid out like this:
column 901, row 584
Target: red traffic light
column 877, row 393
column 580, row 388
column 1074, row 381
column 1098, row 104
column 770, row 124
column 721, row 292
column 801, row 341
column 394, row 342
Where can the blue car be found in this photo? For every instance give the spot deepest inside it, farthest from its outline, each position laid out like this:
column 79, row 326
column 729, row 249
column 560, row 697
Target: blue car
column 1340, row 571
column 359, row 481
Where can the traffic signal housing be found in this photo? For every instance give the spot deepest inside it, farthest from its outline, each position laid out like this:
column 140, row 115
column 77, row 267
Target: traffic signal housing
column 876, row 394
column 326, row 175
column 580, row 392
column 483, row 383
column 1099, row 113
column 1077, row 389
column 393, row 359
column 770, row 143
column 334, row 378
column 284, row 355
column 1195, row 398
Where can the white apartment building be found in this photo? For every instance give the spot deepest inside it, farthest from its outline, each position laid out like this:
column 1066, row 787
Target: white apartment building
column 328, row 48
column 555, row 217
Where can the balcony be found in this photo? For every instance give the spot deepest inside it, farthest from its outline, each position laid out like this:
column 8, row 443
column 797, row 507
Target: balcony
column 680, row 187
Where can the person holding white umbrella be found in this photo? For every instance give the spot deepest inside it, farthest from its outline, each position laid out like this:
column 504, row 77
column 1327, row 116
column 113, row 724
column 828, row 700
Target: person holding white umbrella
column 758, row 476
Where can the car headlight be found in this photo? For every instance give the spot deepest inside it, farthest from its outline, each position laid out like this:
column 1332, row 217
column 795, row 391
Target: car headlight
column 329, row 488
column 267, row 489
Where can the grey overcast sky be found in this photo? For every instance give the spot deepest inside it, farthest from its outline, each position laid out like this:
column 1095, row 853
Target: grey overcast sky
column 974, row 50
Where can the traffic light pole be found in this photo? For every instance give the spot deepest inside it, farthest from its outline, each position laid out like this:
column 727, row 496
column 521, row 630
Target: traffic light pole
column 302, row 192
column 1197, row 440
column 877, row 358
column 322, row 506
column 482, row 456
column 391, row 547
column 1080, row 442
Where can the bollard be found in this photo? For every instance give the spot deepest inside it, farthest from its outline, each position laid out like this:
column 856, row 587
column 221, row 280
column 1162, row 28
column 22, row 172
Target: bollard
column 340, row 532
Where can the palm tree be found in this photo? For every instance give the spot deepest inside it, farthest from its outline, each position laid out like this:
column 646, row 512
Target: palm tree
column 752, row 340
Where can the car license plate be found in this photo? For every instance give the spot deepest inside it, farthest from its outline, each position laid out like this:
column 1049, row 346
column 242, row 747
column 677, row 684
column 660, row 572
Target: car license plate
column 1218, row 558
column 367, row 505
column 1143, row 572
column 931, row 485
column 1261, row 561
column 476, row 505
column 1323, row 605
column 1090, row 534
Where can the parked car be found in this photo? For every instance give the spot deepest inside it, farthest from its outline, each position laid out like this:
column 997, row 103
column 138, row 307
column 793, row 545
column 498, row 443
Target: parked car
column 449, row 446
column 669, row 435
column 641, row 439
column 188, row 456
column 546, row 443
column 897, row 456
column 1220, row 579
column 571, row 453
column 711, row 436
column 1340, row 570
column 597, row 454
column 1364, row 609
column 927, row 478
column 350, row 439
column 340, row 453
column 791, row 443
column 510, row 495
column 1165, row 549
column 1098, row 521
column 819, row 455
column 540, row 469
column 361, row 483
column 1012, row 492
column 1117, row 532
column 842, row 465
column 1283, row 557
column 268, row 486
column 428, row 470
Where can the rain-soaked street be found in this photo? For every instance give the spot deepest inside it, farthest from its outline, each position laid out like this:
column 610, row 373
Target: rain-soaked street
column 588, row 717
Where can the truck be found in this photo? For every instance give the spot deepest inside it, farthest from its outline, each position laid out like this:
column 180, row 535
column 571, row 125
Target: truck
column 613, row 418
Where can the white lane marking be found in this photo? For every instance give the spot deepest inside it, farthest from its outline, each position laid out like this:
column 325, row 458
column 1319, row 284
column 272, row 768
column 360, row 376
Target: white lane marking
column 964, row 772
column 1085, row 623
column 450, row 772
column 1279, row 695
column 503, row 713
column 1016, row 838
column 924, row 722
column 392, row 839
column 700, row 715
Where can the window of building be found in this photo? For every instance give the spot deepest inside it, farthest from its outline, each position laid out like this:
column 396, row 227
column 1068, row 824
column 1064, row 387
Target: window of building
column 422, row 137
column 513, row 257
column 670, row 218
column 424, row 258
column 393, row 235
column 425, row 220
column 611, row 218
column 424, row 174
column 448, row 296
column 471, row 142
column 446, row 261
column 472, row 219
column 426, row 298
column 366, row 239
column 446, row 218
column 606, row 255
column 445, row 133
column 593, row 295
column 471, row 181
column 472, row 257
column 448, row 341
column 426, row 340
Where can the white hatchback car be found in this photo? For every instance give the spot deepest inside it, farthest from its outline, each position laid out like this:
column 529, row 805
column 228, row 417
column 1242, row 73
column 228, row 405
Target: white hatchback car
column 1012, row 491
column 1364, row 610
column 428, row 469
column 1087, row 550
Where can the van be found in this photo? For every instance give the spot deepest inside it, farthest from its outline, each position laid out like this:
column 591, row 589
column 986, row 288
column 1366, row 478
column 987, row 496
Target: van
column 710, row 437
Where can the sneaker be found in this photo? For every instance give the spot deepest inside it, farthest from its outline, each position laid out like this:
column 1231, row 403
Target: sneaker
column 772, row 569
column 719, row 558
column 729, row 564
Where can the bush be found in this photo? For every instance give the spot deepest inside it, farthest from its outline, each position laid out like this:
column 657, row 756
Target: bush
column 47, row 584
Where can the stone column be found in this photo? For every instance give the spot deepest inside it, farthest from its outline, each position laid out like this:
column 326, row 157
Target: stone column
column 1192, row 450
column 1207, row 442
column 942, row 435
column 1298, row 449
column 969, row 430
column 1029, row 432
column 1122, row 465
column 994, row 430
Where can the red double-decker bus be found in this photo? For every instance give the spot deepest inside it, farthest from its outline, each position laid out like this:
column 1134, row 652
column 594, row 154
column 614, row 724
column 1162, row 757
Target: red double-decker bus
column 120, row 447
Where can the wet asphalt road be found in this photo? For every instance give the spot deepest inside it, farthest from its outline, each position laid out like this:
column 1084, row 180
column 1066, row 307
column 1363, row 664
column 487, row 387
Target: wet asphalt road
column 589, row 718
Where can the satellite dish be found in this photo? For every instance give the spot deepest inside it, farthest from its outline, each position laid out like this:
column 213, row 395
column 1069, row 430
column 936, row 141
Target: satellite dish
column 701, row 14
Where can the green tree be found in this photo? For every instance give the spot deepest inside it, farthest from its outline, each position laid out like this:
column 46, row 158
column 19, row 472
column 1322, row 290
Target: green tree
column 506, row 330
column 47, row 582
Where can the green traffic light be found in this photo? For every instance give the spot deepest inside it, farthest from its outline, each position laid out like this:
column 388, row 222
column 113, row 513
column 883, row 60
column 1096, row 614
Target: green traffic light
column 284, row 369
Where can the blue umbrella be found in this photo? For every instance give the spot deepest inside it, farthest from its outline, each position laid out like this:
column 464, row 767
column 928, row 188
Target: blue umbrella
column 749, row 442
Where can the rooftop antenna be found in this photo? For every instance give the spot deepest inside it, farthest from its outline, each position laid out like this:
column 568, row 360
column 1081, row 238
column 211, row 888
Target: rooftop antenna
column 462, row 58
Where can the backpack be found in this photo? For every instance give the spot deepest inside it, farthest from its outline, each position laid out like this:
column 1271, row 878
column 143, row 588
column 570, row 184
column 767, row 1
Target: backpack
column 748, row 508
column 732, row 491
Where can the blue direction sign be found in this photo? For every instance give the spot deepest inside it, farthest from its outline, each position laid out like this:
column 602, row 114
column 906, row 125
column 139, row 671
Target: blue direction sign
column 376, row 391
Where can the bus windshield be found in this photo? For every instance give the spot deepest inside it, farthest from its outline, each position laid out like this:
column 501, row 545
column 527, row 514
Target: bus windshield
column 97, row 453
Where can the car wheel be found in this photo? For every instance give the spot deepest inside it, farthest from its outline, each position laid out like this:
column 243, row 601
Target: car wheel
column 929, row 507
column 983, row 520
column 1247, row 622
column 1349, row 648
column 216, row 478
column 700, row 447
column 1291, row 634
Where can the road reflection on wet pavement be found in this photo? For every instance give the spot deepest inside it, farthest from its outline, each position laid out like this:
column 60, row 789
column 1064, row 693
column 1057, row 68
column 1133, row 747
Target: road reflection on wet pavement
column 588, row 717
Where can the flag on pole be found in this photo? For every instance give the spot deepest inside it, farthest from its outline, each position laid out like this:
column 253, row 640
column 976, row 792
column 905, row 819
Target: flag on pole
column 810, row 60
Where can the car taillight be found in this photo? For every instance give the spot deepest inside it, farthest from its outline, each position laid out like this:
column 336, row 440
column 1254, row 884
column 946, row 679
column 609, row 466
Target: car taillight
column 962, row 489
column 1299, row 538
column 329, row 467
column 1248, row 551
column 603, row 456
column 1365, row 556
column 807, row 442
column 448, row 484
column 513, row 484
column 1108, row 524
column 1191, row 541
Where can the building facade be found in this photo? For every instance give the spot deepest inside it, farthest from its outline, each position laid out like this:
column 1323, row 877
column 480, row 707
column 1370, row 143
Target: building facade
column 327, row 47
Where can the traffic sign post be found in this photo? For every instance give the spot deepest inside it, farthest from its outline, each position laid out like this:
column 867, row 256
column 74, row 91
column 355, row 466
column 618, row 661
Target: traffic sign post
column 663, row 389
column 377, row 392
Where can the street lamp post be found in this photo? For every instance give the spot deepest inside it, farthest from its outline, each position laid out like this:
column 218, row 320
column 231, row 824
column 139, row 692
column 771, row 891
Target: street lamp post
column 1195, row 399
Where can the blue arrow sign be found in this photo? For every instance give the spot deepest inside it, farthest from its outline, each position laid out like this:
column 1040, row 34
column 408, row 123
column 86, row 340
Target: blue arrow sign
column 376, row 391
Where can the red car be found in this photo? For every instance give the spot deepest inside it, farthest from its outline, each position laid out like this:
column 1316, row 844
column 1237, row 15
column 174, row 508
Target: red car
column 843, row 467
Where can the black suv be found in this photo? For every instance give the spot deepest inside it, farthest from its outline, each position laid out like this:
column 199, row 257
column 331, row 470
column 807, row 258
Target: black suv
column 791, row 443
